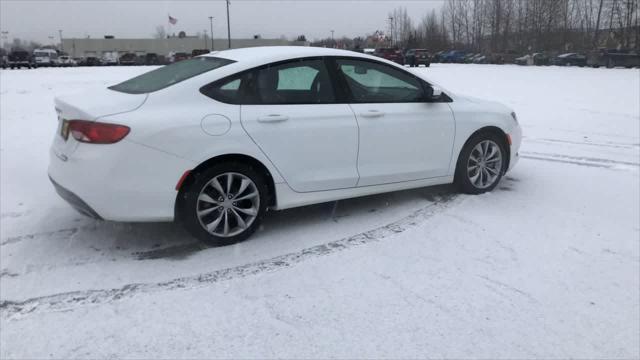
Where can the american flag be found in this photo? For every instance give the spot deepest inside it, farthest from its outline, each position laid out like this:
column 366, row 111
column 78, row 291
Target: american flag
column 172, row 20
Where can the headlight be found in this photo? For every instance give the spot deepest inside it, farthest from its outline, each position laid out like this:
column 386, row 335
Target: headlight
column 515, row 118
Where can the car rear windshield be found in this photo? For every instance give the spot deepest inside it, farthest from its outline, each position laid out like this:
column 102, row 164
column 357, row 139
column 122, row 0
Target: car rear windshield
column 168, row 75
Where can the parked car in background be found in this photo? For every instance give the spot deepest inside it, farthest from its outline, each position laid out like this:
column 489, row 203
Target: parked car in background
column 127, row 59
column 109, row 58
column 467, row 59
column 524, row 60
column 437, row 57
column 151, row 59
column 613, row 57
column 417, row 57
column 179, row 56
column 20, row 58
column 508, row 57
column 244, row 143
column 45, row 57
column 391, row 54
column 453, row 56
column 569, row 59
column 479, row 59
column 92, row 61
column 198, row 52
column 66, row 61
column 140, row 60
column 4, row 60
column 540, row 59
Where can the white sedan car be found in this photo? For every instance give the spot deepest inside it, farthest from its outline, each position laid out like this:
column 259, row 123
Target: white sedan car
column 215, row 141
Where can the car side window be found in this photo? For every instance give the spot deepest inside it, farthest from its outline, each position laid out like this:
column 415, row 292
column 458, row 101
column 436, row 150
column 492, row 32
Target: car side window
column 297, row 82
column 374, row 82
column 227, row 90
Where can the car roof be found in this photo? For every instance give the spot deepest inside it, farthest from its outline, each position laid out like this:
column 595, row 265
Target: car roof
column 254, row 56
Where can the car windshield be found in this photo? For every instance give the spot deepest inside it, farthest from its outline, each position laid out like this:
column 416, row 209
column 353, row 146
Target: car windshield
column 169, row 75
column 41, row 53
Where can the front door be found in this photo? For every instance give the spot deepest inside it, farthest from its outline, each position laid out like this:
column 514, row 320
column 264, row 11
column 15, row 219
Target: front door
column 402, row 137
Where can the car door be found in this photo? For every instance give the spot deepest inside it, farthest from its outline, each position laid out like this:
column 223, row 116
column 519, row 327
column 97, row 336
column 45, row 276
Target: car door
column 292, row 114
column 402, row 137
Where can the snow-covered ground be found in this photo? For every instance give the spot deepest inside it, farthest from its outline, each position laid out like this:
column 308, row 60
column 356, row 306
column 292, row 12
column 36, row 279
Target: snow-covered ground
column 547, row 265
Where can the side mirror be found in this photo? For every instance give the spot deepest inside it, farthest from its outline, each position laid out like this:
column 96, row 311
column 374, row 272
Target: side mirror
column 432, row 93
column 437, row 92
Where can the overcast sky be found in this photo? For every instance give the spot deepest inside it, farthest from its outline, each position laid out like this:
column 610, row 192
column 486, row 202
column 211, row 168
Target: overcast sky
column 39, row 19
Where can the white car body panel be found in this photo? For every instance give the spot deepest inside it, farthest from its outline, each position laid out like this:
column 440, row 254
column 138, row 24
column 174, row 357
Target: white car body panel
column 319, row 153
column 321, row 147
column 403, row 142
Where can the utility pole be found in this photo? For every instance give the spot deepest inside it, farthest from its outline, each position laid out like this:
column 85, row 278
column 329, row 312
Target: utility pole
column 211, row 23
column 205, row 38
column 61, row 46
column 391, row 30
column 5, row 37
column 228, row 27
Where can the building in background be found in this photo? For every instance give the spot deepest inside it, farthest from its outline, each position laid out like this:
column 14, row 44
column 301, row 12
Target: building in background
column 88, row 47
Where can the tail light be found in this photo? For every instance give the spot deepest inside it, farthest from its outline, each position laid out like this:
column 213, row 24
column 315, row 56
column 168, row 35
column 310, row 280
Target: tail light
column 96, row 132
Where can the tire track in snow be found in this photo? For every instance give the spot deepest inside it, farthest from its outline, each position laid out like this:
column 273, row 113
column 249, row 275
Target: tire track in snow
column 577, row 160
column 605, row 144
column 74, row 299
column 62, row 232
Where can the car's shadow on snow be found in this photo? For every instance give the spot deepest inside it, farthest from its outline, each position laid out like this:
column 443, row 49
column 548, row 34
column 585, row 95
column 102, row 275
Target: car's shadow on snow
column 324, row 222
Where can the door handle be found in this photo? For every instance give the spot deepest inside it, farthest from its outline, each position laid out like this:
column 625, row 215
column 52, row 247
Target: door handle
column 372, row 114
column 273, row 118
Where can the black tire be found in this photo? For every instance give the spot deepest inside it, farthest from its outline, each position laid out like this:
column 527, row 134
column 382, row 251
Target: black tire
column 188, row 202
column 461, row 178
column 609, row 64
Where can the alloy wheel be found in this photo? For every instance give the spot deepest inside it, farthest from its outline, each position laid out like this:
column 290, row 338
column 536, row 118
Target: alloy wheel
column 228, row 204
column 484, row 164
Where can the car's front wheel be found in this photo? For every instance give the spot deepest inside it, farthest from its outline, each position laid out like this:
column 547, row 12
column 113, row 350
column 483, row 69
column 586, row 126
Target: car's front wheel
column 224, row 204
column 481, row 164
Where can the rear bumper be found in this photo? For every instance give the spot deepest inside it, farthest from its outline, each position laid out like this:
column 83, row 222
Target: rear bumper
column 75, row 201
column 119, row 182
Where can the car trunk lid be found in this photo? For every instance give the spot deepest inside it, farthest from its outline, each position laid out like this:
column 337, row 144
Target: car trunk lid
column 89, row 106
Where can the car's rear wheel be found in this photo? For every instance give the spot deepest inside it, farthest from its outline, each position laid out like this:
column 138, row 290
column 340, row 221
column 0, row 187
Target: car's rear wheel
column 224, row 204
column 481, row 164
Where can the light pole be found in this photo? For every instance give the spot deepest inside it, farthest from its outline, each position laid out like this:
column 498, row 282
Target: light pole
column 391, row 29
column 211, row 24
column 61, row 46
column 333, row 44
column 5, row 37
column 228, row 27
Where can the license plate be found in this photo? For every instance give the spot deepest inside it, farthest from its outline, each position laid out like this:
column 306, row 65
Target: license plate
column 64, row 130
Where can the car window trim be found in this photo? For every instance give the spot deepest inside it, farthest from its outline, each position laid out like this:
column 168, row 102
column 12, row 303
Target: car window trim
column 352, row 100
column 244, row 90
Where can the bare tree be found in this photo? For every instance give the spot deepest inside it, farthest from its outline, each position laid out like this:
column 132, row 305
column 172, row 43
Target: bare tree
column 160, row 33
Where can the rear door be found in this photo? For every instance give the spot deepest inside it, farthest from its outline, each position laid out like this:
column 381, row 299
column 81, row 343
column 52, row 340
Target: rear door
column 402, row 137
column 291, row 113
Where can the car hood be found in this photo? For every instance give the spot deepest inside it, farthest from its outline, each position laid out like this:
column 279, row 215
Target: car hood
column 492, row 105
